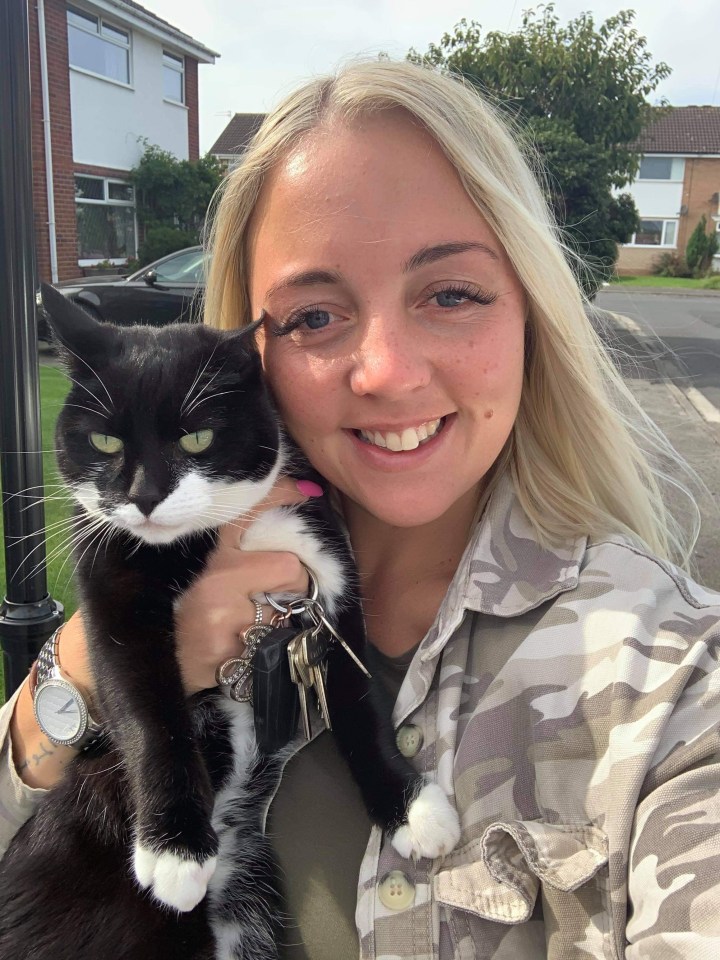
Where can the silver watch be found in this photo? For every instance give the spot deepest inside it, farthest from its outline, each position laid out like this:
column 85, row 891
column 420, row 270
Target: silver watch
column 60, row 709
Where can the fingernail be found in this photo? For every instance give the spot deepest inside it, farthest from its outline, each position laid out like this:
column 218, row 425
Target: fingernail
column 309, row 488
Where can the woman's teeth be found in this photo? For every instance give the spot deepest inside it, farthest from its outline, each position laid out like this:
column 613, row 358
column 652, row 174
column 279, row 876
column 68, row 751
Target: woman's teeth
column 409, row 439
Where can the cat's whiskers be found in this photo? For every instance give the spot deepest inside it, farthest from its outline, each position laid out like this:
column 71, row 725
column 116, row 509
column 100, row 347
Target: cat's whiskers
column 95, row 373
column 96, row 530
column 58, row 498
column 210, row 396
column 66, row 544
column 88, row 390
column 196, row 380
column 37, row 486
column 79, row 406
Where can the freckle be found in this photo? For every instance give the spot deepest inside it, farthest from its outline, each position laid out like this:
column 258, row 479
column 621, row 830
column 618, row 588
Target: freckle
column 489, row 414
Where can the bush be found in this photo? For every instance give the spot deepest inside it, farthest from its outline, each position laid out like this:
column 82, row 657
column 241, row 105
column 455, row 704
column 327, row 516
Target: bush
column 160, row 241
column 701, row 248
column 712, row 282
column 670, row 265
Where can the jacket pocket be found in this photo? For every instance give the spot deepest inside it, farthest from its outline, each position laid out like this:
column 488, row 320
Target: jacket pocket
column 498, row 878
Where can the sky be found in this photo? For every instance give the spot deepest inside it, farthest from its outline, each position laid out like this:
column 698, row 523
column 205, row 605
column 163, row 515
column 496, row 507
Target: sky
column 266, row 49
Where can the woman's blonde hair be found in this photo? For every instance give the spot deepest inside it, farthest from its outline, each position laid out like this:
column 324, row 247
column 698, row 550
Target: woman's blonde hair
column 583, row 456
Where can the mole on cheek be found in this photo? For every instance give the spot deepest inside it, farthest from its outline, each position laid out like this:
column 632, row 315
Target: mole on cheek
column 489, row 414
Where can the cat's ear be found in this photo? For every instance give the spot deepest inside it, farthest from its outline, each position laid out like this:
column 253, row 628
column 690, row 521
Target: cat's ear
column 77, row 333
column 244, row 339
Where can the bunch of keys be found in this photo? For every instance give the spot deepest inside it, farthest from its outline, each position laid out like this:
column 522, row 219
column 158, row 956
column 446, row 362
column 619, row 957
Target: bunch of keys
column 281, row 665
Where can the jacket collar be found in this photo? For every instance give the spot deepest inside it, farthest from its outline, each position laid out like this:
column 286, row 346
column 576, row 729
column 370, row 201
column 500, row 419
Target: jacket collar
column 504, row 571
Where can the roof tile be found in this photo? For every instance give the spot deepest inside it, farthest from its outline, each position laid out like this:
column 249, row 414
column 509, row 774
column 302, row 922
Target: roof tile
column 683, row 130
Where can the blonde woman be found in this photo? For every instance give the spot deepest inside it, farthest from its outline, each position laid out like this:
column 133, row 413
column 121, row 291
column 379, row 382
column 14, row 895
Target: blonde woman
column 555, row 674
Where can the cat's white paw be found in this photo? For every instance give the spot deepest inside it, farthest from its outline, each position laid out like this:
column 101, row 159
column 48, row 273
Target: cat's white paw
column 175, row 881
column 433, row 826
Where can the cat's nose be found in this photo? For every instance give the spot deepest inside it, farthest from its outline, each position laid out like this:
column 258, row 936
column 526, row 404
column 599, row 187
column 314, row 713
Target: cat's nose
column 146, row 502
column 144, row 492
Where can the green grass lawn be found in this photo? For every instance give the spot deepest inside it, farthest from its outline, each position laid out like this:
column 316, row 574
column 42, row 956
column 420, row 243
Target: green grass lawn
column 659, row 282
column 53, row 388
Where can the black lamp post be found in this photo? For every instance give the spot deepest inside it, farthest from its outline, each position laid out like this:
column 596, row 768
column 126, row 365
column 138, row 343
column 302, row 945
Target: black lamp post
column 28, row 614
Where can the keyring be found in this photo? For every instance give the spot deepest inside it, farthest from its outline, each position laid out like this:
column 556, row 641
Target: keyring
column 293, row 607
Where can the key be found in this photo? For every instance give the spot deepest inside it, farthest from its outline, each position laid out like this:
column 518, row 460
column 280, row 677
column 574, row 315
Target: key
column 318, row 675
column 351, row 653
column 301, row 677
column 276, row 704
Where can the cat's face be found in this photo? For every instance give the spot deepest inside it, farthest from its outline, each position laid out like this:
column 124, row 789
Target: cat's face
column 165, row 432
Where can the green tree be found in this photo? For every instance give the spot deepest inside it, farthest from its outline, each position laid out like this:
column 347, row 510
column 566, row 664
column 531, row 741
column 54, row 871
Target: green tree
column 701, row 248
column 172, row 197
column 579, row 94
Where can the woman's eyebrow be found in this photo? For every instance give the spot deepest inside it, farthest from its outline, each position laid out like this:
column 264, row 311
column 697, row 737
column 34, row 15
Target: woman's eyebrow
column 441, row 250
column 304, row 278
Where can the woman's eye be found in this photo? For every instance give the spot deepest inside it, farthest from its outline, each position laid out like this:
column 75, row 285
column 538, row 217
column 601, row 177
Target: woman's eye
column 449, row 298
column 311, row 318
column 105, row 443
column 196, row 442
column 455, row 296
column 316, row 319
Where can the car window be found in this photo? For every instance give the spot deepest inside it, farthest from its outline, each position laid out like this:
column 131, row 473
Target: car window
column 187, row 267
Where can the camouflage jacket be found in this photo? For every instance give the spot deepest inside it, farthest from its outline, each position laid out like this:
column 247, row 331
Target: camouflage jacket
column 568, row 701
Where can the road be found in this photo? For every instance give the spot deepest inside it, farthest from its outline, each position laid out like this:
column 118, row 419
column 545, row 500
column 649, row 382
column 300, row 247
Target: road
column 686, row 405
column 689, row 328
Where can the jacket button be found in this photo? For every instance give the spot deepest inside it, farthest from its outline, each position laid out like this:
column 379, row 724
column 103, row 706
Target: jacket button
column 395, row 891
column 409, row 739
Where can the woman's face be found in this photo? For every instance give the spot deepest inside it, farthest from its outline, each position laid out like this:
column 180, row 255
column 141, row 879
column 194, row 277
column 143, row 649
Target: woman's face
column 394, row 336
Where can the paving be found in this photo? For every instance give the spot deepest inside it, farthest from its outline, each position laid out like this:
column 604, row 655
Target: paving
column 696, row 438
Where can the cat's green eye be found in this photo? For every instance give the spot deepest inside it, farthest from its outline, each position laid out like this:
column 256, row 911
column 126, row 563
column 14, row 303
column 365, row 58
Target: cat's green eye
column 105, row 443
column 196, row 442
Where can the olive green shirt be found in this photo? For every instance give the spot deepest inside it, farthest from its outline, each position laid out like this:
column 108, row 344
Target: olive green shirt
column 320, row 828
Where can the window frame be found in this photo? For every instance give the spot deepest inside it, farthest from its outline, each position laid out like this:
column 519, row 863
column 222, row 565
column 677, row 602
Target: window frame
column 100, row 23
column 180, row 60
column 663, row 245
column 107, row 201
column 658, row 156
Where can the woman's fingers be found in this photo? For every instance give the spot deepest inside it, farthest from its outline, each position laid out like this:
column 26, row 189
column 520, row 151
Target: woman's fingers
column 217, row 607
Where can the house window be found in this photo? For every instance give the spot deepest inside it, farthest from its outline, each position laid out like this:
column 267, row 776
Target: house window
column 105, row 212
column 655, row 233
column 173, row 77
column 98, row 47
column 662, row 168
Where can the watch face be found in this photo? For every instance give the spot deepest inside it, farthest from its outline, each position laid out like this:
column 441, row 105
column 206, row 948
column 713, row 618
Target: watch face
column 60, row 711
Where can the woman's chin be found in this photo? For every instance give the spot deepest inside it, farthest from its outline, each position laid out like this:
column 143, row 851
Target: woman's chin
column 403, row 511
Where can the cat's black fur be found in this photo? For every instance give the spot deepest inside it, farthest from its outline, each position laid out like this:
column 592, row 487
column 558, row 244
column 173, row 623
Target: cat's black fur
column 67, row 884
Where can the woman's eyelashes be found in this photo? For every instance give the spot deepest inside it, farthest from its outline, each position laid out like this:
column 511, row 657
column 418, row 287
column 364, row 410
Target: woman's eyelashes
column 450, row 296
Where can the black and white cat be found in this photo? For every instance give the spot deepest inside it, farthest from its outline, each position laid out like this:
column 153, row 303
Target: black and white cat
column 165, row 435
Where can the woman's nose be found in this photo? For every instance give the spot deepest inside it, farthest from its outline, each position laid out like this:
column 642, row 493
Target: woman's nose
column 391, row 360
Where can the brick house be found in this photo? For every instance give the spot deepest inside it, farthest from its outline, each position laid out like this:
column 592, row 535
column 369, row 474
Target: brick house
column 678, row 182
column 105, row 76
column 233, row 141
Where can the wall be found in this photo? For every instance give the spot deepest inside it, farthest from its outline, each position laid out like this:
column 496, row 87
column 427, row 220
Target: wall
column 700, row 194
column 109, row 120
column 64, row 186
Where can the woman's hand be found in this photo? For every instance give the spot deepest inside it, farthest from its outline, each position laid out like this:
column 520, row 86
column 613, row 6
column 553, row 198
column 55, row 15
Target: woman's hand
column 217, row 608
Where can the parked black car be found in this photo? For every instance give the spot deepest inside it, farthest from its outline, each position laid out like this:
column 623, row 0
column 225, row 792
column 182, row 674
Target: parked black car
column 165, row 291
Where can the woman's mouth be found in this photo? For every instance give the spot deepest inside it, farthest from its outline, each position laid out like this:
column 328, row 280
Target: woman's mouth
column 410, row 438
